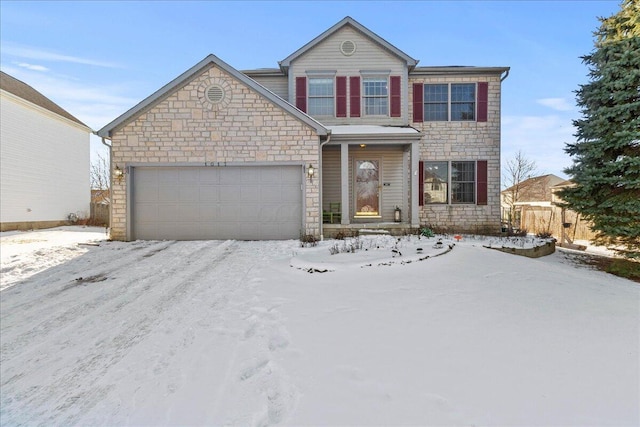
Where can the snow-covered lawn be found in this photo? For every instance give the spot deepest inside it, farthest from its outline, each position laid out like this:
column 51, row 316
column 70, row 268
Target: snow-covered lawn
column 240, row 333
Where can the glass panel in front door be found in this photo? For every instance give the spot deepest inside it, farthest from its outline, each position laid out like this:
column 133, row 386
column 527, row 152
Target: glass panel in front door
column 367, row 188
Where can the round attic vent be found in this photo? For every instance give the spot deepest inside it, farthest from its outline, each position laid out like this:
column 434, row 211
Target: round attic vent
column 348, row 47
column 215, row 94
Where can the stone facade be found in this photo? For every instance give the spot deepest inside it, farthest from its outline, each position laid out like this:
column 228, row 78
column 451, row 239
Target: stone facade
column 186, row 128
column 460, row 141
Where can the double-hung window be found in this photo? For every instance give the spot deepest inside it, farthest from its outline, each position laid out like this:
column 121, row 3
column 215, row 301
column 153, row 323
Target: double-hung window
column 453, row 101
column 321, row 96
column 375, row 96
column 463, row 182
column 449, row 182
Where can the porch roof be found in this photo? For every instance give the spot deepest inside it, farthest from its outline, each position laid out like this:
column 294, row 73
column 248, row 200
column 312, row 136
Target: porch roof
column 369, row 132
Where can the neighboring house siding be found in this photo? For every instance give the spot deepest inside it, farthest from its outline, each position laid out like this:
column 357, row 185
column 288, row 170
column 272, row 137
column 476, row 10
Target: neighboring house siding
column 464, row 141
column 44, row 164
column 369, row 56
column 181, row 129
column 277, row 85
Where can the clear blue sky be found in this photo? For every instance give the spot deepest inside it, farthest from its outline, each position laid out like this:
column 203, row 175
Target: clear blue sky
column 97, row 59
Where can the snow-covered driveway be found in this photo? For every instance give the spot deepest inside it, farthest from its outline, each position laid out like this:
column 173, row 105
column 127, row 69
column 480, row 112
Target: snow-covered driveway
column 145, row 333
column 228, row 333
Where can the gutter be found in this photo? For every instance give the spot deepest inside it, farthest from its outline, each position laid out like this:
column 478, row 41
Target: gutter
column 322, row 144
column 103, row 139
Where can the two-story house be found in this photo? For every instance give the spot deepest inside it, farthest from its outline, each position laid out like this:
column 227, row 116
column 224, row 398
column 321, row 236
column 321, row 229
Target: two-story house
column 347, row 133
column 44, row 160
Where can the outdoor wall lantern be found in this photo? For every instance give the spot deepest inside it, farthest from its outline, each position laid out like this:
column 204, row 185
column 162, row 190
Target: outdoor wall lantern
column 118, row 173
column 397, row 214
column 310, row 172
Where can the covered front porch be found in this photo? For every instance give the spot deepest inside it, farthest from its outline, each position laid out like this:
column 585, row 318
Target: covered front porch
column 370, row 180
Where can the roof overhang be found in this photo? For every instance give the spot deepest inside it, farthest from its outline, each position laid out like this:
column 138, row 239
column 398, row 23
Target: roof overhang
column 373, row 133
column 457, row 70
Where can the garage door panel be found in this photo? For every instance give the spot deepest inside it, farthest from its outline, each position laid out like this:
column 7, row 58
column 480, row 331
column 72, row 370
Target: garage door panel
column 147, row 212
column 230, row 176
column 208, row 213
column 209, row 193
column 250, row 193
column 229, row 193
column 191, row 203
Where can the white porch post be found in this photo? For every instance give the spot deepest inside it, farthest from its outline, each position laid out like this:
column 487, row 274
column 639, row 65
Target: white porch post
column 344, row 183
column 415, row 157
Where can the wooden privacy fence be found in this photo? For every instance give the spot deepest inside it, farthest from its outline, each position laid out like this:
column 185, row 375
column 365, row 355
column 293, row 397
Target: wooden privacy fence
column 549, row 219
column 99, row 214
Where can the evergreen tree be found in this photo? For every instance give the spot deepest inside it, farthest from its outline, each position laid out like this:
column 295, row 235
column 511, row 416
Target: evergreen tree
column 606, row 154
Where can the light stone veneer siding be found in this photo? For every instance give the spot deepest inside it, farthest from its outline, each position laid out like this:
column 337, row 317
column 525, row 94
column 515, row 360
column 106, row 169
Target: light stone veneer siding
column 459, row 141
column 185, row 128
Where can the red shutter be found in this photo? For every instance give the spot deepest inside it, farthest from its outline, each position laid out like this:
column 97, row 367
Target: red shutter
column 341, row 96
column 483, row 98
column 301, row 93
column 396, row 106
column 418, row 103
column 354, row 88
column 420, row 183
column 482, row 182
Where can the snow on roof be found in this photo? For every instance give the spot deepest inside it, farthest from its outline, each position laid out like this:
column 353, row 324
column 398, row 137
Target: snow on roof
column 371, row 130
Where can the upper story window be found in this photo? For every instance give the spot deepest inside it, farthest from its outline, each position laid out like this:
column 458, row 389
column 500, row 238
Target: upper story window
column 454, row 102
column 375, row 96
column 321, row 96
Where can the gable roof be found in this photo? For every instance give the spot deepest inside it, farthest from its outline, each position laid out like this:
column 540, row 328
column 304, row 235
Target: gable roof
column 536, row 189
column 26, row 92
column 285, row 63
column 183, row 78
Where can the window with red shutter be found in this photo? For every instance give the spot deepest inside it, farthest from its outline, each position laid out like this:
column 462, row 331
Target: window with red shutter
column 418, row 106
column 301, row 93
column 396, row 105
column 354, row 96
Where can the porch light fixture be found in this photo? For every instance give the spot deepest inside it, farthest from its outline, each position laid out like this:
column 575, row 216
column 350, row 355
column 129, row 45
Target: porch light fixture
column 118, row 173
column 310, row 172
column 363, row 145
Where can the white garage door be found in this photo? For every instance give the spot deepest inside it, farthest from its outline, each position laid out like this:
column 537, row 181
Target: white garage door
column 199, row 203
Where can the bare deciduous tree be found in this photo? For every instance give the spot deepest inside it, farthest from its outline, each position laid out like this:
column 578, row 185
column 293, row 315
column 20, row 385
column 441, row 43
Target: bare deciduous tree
column 100, row 174
column 517, row 171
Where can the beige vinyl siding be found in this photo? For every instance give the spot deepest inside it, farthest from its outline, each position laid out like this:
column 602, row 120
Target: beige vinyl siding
column 277, row 85
column 393, row 171
column 330, row 176
column 369, row 56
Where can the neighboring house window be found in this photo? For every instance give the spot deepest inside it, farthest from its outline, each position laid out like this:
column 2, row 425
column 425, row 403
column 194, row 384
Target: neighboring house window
column 463, row 182
column 375, row 96
column 450, row 102
column 453, row 182
column 321, row 97
column 436, row 182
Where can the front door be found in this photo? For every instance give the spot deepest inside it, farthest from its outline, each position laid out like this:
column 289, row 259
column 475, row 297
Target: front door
column 367, row 188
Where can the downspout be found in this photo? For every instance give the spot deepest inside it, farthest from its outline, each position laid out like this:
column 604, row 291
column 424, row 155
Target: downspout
column 322, row 144
column 503, row 78
column 103, row 139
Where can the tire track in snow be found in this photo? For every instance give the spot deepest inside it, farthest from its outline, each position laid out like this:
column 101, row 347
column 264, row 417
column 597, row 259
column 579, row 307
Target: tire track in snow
column 182, row 267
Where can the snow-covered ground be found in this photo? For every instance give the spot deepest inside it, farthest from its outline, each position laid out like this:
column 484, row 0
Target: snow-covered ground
column 240, row 333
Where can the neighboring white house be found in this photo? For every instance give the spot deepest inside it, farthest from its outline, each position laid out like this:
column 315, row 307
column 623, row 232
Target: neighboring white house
column 44, row 159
